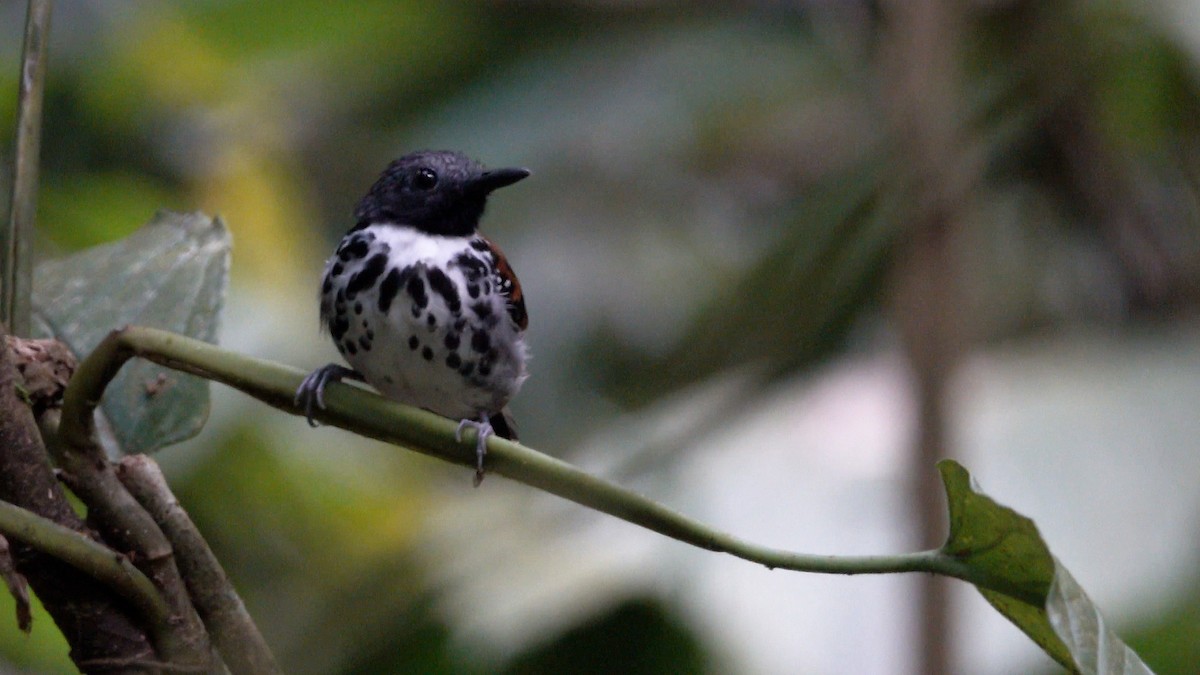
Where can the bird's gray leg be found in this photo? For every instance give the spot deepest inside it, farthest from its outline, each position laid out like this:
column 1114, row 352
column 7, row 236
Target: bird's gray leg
column 312, row 390
column 483, row 429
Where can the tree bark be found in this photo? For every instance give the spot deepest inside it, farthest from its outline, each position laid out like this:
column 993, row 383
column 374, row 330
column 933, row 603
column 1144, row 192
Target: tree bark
column 101, row 629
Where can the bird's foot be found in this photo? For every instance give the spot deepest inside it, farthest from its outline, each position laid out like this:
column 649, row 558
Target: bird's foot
column 311, row 393
column 483, row 429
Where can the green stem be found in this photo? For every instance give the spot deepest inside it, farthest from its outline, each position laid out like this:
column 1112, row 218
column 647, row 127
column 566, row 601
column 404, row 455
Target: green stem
column 234, row 633
column 16, row 239
column 86, row 555
column 368, row 414
column 123, row 520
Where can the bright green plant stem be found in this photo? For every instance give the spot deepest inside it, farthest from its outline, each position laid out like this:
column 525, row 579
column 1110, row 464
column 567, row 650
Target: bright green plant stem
column 16, row 238
column 368, row 414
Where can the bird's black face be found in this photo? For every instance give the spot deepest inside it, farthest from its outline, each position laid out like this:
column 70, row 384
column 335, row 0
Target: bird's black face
column 439, row 192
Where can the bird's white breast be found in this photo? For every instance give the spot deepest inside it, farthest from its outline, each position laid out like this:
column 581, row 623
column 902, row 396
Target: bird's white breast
column 420, row 325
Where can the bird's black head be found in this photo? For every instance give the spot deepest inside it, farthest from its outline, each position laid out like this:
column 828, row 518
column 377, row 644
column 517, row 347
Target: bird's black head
column 439, row 192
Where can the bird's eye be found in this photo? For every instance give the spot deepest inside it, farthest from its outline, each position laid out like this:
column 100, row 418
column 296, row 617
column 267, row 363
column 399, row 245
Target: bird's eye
column 425, row 179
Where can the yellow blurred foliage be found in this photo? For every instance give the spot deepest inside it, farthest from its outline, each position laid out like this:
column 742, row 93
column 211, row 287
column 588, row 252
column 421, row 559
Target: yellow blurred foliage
column 267, row 211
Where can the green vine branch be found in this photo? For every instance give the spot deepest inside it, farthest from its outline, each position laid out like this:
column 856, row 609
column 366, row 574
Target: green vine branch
column 86, row 555
column 233, row 632
column 360, row 411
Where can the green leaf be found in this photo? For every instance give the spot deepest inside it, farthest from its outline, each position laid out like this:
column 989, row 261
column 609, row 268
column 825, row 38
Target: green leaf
column 170, row 274
column 1078, row 623
column 1014, row 570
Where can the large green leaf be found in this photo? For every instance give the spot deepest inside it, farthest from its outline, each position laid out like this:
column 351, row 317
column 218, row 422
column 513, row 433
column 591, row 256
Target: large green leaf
column 1077, row 622
column 1017, row 574
column 170, row 274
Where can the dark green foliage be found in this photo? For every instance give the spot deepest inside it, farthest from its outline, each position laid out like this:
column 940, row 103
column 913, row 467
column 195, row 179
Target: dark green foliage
column 638, row 637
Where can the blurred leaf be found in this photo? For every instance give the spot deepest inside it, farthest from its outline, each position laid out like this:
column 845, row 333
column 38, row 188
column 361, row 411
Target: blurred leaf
column 796, row 303
column 1027, row 584
column 168, row 56
column 321, row 546
column 170, row 274
column 639, row 635
column 1145, row 83
column 414, row 640
column 1168, row 640
column 93, row 208
column 44, row 650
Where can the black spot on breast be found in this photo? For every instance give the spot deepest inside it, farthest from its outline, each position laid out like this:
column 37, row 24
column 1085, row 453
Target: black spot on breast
column 427, row 354
column 482, row 309
column 368, row 275
column 416, row 290
column 431, row 320
column 413, row 343
column 338, row 326
column 327, row 287
column 364, row 342
column 441, row 284
column 451, row 340
column 480, row 245
column 358, row 308
column 459, row 325
column 481, row 341
column 370, row 333
column 351, row 349
column 453, row 360
column 391, row 285
column 485, row 363
column 336, row 270
column 467, row 369
column 473, row 290
column 353, row 249
column 473, row 268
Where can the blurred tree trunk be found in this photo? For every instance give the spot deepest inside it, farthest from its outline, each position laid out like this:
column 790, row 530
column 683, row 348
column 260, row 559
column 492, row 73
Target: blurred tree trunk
column 921, row 50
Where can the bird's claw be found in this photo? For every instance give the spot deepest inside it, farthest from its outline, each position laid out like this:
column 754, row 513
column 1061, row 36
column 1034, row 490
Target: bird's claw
column 312, row 390
column 483, row 429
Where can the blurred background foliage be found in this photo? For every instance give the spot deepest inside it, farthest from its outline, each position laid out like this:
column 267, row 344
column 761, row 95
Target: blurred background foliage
column 705, row 246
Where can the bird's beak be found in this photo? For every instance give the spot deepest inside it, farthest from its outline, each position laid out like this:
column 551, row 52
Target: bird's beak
column 496, row 179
